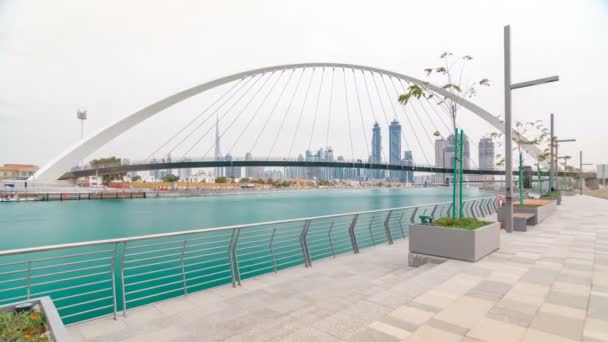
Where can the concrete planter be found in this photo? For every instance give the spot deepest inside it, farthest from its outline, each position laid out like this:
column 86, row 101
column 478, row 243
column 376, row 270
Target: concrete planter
column 57, row 331
column 454, row 243
column 540, row 212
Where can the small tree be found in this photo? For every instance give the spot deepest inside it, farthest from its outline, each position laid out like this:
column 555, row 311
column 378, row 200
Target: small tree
column 449, row 77
column 220, row 179
column 244, row 180
column 136, row 178
column 170, row 178
column 531, row 133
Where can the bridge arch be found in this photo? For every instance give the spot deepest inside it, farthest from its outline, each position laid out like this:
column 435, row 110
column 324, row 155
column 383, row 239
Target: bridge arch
column 55, row 168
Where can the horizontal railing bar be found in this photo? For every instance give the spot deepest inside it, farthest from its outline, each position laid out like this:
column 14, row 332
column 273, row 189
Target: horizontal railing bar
column 68, row 271
column 258, row 263
column 69, row 264
column 83, row 303
column 153, row 279
column 205, row 261
column 39, row 294
column 71, row 278
column 189, row 245
column 198, row 231
column 153, row 287
column 156, row 250
column 151, row 258
column 54, row 258
column 209, row 281
column 206, row 268
column 85, row 312
column 259, row 269
column 127, row 276
column 155, row 295
column 81, row 294
column 206, row 275
column 268, row 255
column 13, row 298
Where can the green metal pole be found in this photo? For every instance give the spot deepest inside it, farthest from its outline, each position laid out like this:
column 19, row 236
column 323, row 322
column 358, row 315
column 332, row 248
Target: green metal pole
column 521, row 182
column 460, row 171
column 454, row 178
column 540, row 180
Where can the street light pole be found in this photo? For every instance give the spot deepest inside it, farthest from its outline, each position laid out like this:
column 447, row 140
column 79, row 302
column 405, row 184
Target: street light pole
column 508, row 125
column 552, row 148
column 557, row 158
column 582, row 180
column 508, row 131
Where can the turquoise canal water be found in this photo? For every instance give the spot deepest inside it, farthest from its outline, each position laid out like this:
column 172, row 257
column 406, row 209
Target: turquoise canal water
column 88, row 282
column 46, row 223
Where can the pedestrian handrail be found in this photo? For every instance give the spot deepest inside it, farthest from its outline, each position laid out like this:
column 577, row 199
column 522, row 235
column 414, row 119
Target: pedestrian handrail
column 103, row 277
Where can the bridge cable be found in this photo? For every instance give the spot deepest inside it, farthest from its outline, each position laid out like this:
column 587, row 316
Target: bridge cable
column 223, row 116
column 301, row 112
column 350, row 134
column 419, row 103
column 195, row 118
column 255, row 113
column 273, row 109
column 246, row 105
column 370, row 101
column 380, row 99
column 314, row 121
column 295, row 91
column 393, row 106
column 331, row 97
column 431, row 143
column 210, row 116
column 360, row 110
column 410, row 146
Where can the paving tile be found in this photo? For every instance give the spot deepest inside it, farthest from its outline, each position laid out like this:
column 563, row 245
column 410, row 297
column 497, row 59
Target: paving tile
column 412, row 315
column 372, row 335
column 489, row 290
column 598, row 306
column 310, row 334
column 490, row 330
column 596, row 329
column 435, row 298
column 465, row 311
column 427, row 333
column 559, row 325
column 562, row 310
column 390, row 330
column 533, row 335
column 567, row 299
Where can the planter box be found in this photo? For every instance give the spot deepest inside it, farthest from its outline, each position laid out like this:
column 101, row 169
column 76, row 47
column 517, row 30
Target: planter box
column 540, row 212
column 454, row 243
column 57, row 331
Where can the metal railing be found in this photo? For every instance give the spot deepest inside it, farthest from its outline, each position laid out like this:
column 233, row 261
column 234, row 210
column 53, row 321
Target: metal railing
column 98, row 278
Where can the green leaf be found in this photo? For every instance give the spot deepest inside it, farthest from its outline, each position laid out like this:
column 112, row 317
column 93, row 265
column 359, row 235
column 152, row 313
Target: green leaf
column 428, row 71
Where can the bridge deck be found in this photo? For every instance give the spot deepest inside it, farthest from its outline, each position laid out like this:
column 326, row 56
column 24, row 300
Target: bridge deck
column 548, row 284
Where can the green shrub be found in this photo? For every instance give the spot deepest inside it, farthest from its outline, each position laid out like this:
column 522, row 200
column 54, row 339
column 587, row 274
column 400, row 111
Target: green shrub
column 469, row 223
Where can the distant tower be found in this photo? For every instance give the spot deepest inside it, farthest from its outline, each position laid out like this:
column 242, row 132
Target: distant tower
column 394, row 147
column 376, row 156
column 81, row 114
column 219, row 171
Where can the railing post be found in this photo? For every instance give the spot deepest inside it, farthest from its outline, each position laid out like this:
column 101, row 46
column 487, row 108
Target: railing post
column 304, row 244
column 387, row 228
column 184, row 269
column 413, row 217
column 114, row 294
column 230, row 259
column 237, row 273
column 331, row 242
column 29, row 278
column 351, row 232
column 274, row 261
column 401, row 223
column 434, row 210
column 122, row 278
column 371, row 233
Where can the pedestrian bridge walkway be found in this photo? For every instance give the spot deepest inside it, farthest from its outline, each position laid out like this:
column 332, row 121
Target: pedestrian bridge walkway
column 547, row 284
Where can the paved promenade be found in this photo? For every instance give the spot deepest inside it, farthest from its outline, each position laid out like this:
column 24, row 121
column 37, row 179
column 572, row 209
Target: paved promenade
column 548, row 284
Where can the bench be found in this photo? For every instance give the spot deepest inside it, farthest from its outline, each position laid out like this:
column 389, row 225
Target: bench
column 521, row 220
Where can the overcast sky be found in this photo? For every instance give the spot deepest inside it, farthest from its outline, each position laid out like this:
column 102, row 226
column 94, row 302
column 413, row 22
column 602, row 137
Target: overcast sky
column 114, row 57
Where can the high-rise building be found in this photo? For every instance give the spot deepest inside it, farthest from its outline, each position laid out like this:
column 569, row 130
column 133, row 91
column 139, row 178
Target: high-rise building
column 486, row 154
column 219, row 171
column 376, row 156
column 408, row 160
column 185, row 174
column 450, row 156
column 394, row 148
column 232, row 171
column 440, row 159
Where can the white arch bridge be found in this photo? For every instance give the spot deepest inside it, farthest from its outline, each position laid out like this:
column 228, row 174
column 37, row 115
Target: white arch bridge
column 365, row 80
